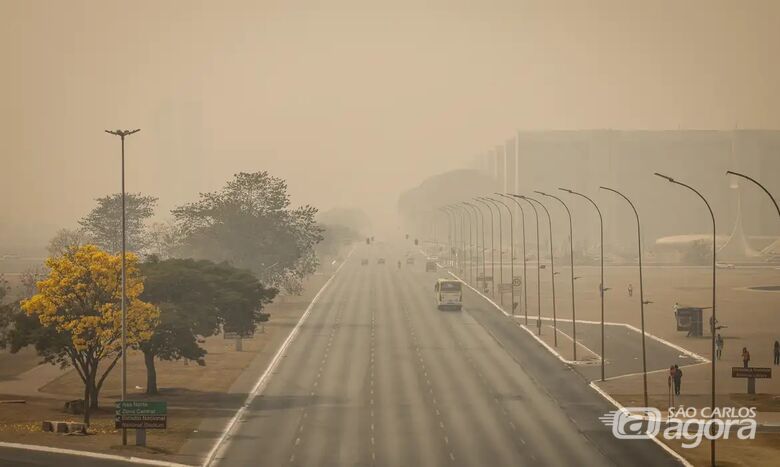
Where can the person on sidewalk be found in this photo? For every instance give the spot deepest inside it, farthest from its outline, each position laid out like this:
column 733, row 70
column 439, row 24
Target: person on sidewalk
column 718, row 346
column 777, row 353
column 677, row 380
column 669, row 382
column 745, row 357
column 630, row 290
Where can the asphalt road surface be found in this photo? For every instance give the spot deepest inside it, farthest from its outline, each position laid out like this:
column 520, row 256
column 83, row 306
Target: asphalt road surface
column 378, row 376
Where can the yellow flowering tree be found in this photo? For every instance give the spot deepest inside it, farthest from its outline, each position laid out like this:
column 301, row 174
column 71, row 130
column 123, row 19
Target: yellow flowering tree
column 78, row 306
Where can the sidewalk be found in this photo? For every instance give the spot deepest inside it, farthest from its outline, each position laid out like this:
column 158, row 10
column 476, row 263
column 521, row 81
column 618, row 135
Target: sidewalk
column 31, row 381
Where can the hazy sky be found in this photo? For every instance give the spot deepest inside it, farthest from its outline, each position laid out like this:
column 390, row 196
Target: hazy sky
column 350, row 101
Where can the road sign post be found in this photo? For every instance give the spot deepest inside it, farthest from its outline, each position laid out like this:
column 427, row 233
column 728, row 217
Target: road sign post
column 238, row 337
column 141, row 415
column 751, row 373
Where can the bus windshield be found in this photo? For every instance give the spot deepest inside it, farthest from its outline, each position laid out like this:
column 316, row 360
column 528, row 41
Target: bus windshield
column 450, row 286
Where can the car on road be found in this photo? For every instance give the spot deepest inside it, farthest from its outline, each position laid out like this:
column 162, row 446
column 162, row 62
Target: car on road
column 410, row 260
column 380, row 261
column 363, row 262
column 449, row 294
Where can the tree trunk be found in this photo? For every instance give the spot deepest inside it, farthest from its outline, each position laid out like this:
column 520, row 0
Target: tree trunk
column 151, row 373
column 87, row 393
column 93, row 395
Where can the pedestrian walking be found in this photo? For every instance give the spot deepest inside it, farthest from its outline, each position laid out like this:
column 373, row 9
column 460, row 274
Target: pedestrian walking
column 676, row 307
column 677, row 380
column 777, row 353
column 745, row 357
column 630, row 290
column 718, row 346
column 669, row 382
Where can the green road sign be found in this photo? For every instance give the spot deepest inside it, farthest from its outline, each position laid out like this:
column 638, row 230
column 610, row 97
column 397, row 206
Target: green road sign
column 141, row 414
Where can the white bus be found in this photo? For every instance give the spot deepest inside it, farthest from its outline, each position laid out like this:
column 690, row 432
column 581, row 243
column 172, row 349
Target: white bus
column 449, row 294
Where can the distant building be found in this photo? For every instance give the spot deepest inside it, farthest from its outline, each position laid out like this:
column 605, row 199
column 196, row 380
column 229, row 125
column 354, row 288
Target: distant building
column 625, row 160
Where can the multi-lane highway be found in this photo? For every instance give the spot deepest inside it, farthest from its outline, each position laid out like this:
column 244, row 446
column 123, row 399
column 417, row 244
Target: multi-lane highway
column 378, row 376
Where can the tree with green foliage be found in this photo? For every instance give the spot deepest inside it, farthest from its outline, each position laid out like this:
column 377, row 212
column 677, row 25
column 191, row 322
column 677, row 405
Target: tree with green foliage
column 250, row 224
column 103, row 225
column 196, row 298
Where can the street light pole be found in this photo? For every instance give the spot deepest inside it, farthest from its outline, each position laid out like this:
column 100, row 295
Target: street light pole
column 500, row 249
column 482, row 221
column 446, row 211
column 511, row 256
column 714, row 321
column 552, row 269
column 122, row 134
column 538, row 269
column 473, row 264
column 602, row 289
column 525, row 288
column 478, row 217
column 463, row 215
column 641, row 287
column 729, row 172
column 571, row 257
column 471, row 242
column 492, row 250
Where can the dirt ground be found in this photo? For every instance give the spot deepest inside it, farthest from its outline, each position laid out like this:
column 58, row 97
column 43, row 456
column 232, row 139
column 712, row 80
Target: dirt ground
column 193, row 393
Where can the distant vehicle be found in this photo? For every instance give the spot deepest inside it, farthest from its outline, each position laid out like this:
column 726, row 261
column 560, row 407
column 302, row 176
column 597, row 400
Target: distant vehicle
column 449, row 294
column 410, row 260
column 725, row 265
column 430, row 266
column 380, row 261
column 363, row 262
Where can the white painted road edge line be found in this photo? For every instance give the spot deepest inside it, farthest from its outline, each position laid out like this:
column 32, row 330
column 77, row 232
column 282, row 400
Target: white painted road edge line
column 223, row 442
column 94, row 455
column 676, row 347
column 606, row 396
column 660, row 443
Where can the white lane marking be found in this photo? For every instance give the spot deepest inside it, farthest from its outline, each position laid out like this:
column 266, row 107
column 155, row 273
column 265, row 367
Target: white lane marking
column 223, row 442
column 618, row 405
column 580, row 344
column 94, row 455
column 606, row 323
column 606, row 396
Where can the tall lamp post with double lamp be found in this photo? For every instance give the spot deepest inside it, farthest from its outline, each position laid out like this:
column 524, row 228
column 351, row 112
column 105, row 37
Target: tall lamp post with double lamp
column 714, row 320
column 602, row 289
column 525, row 288
column 641, row 288
column 538, row 267
column 122, row 134
column 552, row 268
column 477, row 220
column 571, row 257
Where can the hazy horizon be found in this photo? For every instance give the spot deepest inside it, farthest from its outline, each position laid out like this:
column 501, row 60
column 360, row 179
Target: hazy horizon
column 350, row 102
